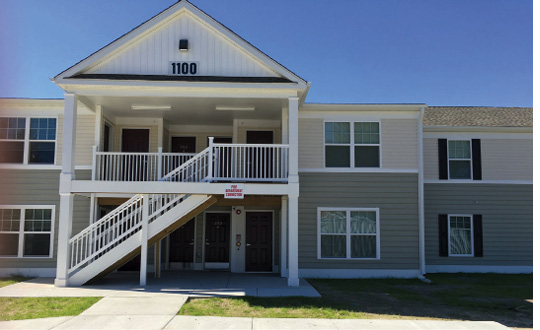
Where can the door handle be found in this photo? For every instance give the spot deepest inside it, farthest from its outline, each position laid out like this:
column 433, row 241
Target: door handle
column 207, row 243
column 248, row 244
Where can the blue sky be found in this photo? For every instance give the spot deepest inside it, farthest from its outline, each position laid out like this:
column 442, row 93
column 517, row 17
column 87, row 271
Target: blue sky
column 459, row 52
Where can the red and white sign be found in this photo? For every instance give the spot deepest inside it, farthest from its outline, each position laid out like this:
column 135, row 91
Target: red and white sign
column 234, row 191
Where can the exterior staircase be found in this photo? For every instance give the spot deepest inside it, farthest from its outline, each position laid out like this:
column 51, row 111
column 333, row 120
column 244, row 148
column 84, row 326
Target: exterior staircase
column 116, row 238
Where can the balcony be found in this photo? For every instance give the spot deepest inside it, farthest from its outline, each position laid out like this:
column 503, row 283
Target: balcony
column 217, row 163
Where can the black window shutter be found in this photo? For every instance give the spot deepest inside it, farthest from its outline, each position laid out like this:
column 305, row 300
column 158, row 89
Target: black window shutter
column 478, row 236
column 443, row 159
column 476, row 159
column 443, row 235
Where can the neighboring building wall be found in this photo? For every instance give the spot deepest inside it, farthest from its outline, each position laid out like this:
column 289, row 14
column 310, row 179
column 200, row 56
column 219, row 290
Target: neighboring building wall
column 39, row 187
column 507, row 221
column 396, row 197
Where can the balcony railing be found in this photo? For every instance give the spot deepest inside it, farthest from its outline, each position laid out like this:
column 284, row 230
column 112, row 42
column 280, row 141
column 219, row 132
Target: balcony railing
column 218, row 163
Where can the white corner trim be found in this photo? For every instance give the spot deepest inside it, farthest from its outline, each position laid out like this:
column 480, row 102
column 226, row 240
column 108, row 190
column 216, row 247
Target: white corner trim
column 479, row 269
column 480, row 181
column 358, row 170
column 358, row 273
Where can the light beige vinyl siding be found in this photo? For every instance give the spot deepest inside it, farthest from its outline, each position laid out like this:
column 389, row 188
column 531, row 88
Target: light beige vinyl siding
column 242, row 133
column 431, row 159
column 399, row 143
column 40, row 187
column 153, row 136
column 84, row 140
column 507, row 159
column 502, row 159
column 310, row 143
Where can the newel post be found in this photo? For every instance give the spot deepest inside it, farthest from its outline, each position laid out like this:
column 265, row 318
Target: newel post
column 210, row 158
column 159, row 163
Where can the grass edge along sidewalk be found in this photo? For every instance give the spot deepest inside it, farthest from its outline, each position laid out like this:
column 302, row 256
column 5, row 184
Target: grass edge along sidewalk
column 503, row 298
column 23, row 308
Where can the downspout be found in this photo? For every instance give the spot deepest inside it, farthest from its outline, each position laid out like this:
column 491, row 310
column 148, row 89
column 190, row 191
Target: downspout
column 421, row 230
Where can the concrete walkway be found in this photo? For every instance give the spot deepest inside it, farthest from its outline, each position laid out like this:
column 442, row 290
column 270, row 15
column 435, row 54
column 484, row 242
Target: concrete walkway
column 127, row 306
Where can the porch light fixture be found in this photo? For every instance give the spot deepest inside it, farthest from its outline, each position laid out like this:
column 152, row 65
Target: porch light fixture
column 151, row 107
column 225, row 108
column 183, row 45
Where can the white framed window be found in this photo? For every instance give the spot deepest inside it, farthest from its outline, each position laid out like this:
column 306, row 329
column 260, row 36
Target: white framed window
column 25, row 140
column 348, row 233
column 27, row 231
column 460, row 235
column 352, row 144
column 459, row 159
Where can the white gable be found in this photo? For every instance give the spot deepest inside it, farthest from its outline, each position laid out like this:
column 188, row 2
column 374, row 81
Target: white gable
column 213, row 53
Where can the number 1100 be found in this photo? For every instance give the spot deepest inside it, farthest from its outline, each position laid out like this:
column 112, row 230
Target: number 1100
column 184, row 68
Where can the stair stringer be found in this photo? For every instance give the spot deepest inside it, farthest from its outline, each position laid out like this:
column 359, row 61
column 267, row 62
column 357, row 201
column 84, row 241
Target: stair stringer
column 158, row 229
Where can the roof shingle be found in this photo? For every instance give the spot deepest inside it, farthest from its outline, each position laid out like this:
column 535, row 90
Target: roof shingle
column 478, row 116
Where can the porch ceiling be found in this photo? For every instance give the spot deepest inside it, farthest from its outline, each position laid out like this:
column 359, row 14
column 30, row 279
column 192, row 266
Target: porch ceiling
column 191, row 111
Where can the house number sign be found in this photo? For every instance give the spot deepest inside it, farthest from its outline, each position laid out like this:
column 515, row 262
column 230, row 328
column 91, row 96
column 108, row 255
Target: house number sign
column 184, row 68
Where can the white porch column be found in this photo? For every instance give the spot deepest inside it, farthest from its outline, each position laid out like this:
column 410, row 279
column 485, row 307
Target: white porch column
column 283, row 240
column 144, row 240
column 66, row 197
column 97, row 127
column 294, row 192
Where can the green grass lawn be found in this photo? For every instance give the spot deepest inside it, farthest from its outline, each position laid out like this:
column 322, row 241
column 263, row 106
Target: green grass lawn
column 506, row 299
column 33, row 308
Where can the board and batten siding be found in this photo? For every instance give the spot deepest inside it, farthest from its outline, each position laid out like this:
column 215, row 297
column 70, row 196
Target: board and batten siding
column 507, row 221
column 84, row 139
column 399, row 143
column 502, row 159
column 396, row 196
column 213, row 53
column 40, row 187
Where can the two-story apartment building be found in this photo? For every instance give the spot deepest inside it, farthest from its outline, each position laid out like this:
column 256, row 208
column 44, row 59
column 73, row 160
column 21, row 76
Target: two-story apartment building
column 182, row 146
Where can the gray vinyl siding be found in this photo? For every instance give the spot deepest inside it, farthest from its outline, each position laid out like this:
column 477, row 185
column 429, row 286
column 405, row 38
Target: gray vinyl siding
column 396, row 196
column 310, row 143
column 84, row 140
column 507, row 219
column 40, row 187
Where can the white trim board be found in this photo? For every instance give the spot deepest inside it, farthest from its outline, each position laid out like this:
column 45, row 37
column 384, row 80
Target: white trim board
column 453, row 181
column 478, row 269
column 358, row 273
column 358, row 170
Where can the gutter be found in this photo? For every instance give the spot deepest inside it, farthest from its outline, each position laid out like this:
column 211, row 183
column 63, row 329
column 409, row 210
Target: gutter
column 421, row 220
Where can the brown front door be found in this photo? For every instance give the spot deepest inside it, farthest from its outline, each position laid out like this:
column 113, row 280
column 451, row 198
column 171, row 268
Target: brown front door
column 182, row 243
column 183, row 144
column 217, row 238
column 258, row 162
column 135, row 168
column 258, row 241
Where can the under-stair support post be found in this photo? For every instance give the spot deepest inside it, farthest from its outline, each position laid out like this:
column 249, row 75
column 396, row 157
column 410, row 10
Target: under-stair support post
column 66, row 197
column 283, row 240
column 144, row 240
column 294, row 188
column 210, row 158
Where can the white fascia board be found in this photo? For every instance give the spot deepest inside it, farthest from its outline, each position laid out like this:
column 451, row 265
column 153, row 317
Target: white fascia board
column 488, row 134
column 179, row 89
column 87, row 186
column 38, row 107
column 480, row 129
column 355, row 107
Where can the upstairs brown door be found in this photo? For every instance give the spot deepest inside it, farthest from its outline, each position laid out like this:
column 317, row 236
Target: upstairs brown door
column 135, row 140
column 217, row 237
column 259, row 161
column 182, row 243
column 258, row 241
